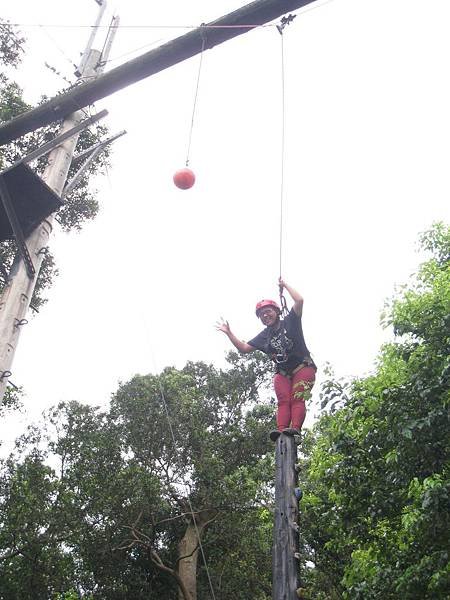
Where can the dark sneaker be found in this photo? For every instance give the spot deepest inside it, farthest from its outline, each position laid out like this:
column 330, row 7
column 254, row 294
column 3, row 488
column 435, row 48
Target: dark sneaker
column 291, row 431
column 274, row 435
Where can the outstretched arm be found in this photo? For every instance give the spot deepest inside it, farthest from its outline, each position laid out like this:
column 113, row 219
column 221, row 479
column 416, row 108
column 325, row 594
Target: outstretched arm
column 237, row 343
column 296, row 297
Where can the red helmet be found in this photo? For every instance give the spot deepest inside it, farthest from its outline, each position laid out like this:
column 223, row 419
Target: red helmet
column 263, row 303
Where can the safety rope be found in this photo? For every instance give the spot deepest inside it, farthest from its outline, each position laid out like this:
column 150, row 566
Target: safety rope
column 284, row 309
column 195, row 98
column 283, row 127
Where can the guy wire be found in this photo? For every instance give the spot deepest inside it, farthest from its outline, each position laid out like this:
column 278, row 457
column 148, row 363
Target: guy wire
column 166, row 410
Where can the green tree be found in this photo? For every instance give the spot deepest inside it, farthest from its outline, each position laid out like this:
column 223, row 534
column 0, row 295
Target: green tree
column 377, row 483
column 177, row 456
column 219, row 462
column 33, row 561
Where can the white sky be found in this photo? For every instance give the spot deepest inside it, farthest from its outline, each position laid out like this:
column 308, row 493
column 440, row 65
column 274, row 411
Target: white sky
column 366, row 170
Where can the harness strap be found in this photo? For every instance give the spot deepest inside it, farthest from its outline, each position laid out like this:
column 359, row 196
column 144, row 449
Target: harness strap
column 302, row 365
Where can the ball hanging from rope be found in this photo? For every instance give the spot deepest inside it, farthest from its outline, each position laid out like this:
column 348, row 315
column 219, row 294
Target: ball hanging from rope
column 184, row 178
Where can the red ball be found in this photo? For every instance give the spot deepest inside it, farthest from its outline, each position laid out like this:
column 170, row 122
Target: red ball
column 184, row 178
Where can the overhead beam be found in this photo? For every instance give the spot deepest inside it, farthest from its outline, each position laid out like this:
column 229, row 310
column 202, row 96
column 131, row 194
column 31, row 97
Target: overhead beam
column 210, row 34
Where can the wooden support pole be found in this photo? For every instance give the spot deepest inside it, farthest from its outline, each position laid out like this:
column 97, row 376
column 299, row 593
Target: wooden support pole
column 18, row 291
column 181, row 48
column 285, row 565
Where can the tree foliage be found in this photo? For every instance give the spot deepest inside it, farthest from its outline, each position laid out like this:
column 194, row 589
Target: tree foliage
column 110, row 503
column 378, row 488
column 106, row 500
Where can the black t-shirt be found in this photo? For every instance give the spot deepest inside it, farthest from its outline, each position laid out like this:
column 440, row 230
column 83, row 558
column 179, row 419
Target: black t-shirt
column 285, row 345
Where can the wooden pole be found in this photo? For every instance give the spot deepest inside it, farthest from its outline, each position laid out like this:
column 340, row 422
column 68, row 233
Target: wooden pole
column 225, row 28
column 285, row 565
column 16, row 296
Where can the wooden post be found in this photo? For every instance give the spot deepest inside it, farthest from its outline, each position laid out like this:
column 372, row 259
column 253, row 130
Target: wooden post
column 285, row 534
column 18, row 291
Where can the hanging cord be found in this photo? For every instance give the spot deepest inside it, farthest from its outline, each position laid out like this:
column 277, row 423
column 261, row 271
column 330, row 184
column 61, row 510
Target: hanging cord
column 196, row 96
column 191, row 510
column 54, row 42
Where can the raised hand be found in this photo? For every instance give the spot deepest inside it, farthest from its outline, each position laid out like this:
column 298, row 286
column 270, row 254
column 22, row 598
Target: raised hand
column 224, row 326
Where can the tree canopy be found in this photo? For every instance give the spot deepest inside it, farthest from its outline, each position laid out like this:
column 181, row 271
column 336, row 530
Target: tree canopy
column 112, row 503
column 376, row 516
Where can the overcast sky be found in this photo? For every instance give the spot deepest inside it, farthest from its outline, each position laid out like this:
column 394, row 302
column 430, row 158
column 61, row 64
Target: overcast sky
column 366, row 170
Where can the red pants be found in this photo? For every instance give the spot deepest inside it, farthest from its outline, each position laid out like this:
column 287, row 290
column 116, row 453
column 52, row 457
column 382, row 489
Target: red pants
column 291, row 393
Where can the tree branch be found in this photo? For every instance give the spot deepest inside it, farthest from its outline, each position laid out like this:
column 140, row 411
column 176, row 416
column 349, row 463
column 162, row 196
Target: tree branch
column 156, row 560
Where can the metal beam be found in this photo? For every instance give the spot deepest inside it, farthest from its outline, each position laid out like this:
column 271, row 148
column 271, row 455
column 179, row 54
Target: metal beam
column 225, row 28
column 90, row 154
column 45, row 148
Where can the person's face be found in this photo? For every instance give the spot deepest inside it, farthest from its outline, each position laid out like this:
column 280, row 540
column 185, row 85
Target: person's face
column 268, row 316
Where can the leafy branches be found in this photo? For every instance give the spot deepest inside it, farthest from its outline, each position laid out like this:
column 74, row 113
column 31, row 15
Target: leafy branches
column 122, row 510
column 377, row 485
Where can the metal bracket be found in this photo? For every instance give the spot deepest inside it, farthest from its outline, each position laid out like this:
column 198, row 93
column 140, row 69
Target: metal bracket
column 19, row 322
column 86, row 153
column 202, row 30
column 91, row 154
column 285, row 21
column 6, row 197
column 17, row 229
column 61, row 138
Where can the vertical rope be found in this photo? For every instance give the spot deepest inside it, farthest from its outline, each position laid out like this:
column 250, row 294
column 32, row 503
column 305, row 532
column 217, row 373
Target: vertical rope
column 283, row 127
column 195, row 101
column 172, row 435
column 191, row 509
